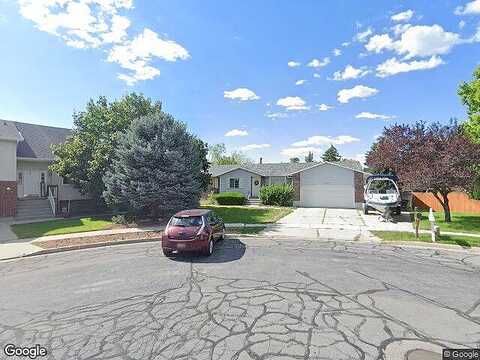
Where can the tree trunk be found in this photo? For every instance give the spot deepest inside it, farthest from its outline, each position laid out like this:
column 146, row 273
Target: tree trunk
column 446, row 208
column 445, row 204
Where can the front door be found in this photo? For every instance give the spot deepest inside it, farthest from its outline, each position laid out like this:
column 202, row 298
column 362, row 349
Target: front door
column 255, row 186
column 31, row 182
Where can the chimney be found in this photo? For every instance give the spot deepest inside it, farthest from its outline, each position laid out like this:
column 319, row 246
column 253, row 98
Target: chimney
column 261, row 160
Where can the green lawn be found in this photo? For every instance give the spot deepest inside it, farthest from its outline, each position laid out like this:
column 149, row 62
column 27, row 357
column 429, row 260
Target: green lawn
column 249, row 215
column 461, row 222
column 57, row 227
column 466, row 241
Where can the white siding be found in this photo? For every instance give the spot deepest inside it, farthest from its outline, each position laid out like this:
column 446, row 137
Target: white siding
column 8, row 160
column 327, row 186
column 242, row 175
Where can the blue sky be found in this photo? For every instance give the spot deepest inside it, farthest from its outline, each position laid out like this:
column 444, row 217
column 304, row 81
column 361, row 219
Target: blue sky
column 236, row 67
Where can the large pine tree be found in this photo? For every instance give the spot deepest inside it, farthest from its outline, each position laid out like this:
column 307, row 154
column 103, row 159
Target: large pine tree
column 158, row 168
column 331, row 154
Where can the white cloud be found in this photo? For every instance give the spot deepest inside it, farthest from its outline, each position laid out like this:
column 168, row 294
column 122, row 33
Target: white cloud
column 317, row 76
column 97, row 23
column 242, row 94
column 293, row 103
column 315, row 63
column 350, row 73
column 236, row 132
column 135, row 55
column 293, row 64
column 345, row 44
column 359, row 91
column 378, row 43
column 470, row 8
column 393, row 66
column 461, row 24
column 363, row 36
column 325, row 140
column 276, row 115
column 360, row 158
column 419, row 40
column 254, row 147
column 425, row 41
column 399, row 29
column 337, row 52
column 369, row 115
column 300, row 82
column 403, row 16
column 301, row 151
column 324, row 107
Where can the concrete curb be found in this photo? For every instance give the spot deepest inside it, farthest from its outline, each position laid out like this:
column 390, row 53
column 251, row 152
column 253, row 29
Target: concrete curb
column 84, row 246
column 424, row 245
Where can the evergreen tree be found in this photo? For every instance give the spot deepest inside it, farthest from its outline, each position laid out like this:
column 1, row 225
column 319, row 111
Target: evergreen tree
column 158, row 168
column 309, row 157
column 331, row 154
column 294, row 160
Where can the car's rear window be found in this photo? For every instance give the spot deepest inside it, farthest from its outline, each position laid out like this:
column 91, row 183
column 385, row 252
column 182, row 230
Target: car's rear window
column 186, row 221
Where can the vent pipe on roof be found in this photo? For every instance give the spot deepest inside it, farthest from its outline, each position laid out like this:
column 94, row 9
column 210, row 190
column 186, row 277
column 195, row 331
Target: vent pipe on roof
column 260, row 161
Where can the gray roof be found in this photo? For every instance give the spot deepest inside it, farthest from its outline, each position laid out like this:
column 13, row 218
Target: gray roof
column 278, row 169
column 8, row 131
column 37, row 140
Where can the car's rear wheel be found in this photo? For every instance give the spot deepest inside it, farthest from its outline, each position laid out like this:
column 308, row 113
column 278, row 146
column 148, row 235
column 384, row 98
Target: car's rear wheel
column 210, row 246
column 167, row 253
column 222, row 235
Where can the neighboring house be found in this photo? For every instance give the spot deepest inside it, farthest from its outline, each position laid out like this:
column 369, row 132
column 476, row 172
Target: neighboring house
column 324, row 184
column 25, row 181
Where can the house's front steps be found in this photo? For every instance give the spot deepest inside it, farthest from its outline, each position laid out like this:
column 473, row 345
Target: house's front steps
column 32, row 209
column 254, row 201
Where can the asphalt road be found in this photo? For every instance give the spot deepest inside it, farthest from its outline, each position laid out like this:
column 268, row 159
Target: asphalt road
column 253, row 299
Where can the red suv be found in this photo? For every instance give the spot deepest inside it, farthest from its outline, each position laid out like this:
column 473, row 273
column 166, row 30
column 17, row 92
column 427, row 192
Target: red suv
column 193, row 230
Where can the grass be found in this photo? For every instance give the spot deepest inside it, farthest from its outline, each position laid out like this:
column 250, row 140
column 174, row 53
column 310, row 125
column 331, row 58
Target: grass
column 465, row 241
column 461, row 222
column 249, row 215
column 57, row 227
column 245, row 230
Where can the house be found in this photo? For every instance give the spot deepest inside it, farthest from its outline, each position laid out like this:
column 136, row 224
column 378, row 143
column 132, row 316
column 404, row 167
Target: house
column 317, row 184
column 28, row 190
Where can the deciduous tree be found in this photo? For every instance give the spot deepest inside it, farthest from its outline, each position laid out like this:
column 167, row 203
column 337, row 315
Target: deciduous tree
column 438, row 158
column 87, row 154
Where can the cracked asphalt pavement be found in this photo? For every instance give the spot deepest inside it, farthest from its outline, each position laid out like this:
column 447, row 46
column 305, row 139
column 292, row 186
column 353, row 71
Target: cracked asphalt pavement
column 253, row 299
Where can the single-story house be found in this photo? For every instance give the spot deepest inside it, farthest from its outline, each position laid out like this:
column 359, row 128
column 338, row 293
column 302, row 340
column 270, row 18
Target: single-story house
column 317, row 184
column 26, row 183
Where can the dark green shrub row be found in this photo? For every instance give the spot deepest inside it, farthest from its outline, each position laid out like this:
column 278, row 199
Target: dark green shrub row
column 230, row 198
column 277, row 194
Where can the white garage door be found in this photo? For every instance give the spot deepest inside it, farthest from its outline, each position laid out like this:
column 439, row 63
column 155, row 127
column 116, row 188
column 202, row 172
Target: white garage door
column 335, row 196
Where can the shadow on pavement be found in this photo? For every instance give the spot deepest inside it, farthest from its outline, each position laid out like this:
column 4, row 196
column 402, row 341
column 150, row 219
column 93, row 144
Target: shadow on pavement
column 225, row 251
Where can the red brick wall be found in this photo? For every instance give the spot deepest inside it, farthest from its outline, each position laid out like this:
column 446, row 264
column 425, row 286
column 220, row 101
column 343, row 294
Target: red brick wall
column 296, row 186
column 358, row 182
column 8, row 198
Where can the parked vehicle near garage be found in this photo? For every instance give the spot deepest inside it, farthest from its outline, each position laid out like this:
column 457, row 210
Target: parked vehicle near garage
column 193, row 230
column 382, row 194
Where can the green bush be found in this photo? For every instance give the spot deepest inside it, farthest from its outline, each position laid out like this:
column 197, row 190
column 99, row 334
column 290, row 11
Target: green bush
column 277, row 194
column 230, row 198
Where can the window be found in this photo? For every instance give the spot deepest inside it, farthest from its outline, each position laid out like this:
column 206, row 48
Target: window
column 20, row 178
column 42, row 177
column 234, row 183
column 66, row 181
column 186, row 221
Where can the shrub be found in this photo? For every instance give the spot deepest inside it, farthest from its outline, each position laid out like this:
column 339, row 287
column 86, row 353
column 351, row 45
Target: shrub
column 123, row 219
column 230, row 198
column 277, row 194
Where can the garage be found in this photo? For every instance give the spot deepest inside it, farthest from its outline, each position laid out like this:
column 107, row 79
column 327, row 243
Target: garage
column 327, row 185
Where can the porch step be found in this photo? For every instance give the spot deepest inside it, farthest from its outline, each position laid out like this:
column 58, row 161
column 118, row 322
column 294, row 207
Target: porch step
column 31, row 209
column 253, row 201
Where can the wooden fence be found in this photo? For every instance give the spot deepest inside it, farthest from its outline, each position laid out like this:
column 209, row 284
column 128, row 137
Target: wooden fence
column 459, row 202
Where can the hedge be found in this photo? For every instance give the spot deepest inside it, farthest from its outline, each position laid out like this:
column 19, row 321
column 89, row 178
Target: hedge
column 277, row 194
column 230, row 198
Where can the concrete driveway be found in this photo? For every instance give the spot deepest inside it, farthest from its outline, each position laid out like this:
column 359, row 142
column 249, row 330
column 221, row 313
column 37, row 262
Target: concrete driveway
column 253, row 299
column 347, row 224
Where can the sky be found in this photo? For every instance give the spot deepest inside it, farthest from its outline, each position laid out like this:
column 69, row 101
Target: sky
column 272, row 78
